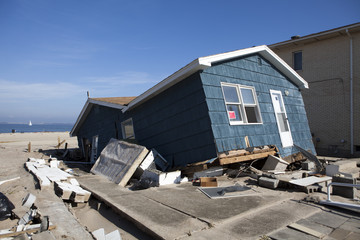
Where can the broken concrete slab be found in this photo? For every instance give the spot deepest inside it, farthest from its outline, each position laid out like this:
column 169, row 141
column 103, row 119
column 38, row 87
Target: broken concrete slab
column 114, row 235
column 99, row 234
column 42, row 178
column 347, row 168
column 316, row 226
column 307, row 165
column 227, row 192
column 348, row 192
column 328, row 219
column 45, row 174
column 274, row 163
column 67, row 191
column 119, row 160
column 268, row 182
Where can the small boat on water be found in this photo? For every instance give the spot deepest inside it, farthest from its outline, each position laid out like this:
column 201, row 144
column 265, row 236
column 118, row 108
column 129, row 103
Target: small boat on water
column 30, row 124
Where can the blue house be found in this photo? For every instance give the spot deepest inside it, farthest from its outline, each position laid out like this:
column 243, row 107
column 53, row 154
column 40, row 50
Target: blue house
column 206, row 108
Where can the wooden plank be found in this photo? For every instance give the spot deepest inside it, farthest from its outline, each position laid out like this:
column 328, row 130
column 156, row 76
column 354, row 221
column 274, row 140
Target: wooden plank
column 247, row 141
column 247, row 151
column 60, row 143
column 306, row 230
column 32, row 230
column 244, row 158
column 234, row 153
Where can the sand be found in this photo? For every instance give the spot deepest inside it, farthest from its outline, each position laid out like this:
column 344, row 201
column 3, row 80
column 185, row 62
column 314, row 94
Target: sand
column 14, row 153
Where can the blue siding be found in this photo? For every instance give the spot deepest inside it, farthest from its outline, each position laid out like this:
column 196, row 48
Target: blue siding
column 247, row 71
column 176, row 123
column 101, row 121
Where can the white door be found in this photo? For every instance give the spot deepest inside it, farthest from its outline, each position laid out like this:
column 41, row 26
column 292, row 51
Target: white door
column 281, row 118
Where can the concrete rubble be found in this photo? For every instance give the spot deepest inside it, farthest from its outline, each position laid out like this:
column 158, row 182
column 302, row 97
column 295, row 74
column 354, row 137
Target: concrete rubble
column 29, row 224
column 206, row 200
column 64, row 184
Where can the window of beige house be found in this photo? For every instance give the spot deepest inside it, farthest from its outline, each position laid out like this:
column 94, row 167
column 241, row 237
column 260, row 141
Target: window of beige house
column 297, row 60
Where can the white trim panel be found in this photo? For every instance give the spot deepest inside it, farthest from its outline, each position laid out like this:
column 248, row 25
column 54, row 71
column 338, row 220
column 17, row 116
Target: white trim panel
column 206, row 62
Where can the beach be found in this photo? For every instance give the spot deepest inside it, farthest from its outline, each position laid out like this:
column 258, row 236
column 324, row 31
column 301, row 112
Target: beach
column 13, row 154
column 71, row 222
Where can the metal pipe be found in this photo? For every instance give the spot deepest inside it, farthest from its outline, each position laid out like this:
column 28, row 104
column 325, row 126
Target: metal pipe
column 340, row 204
column 341, row 185
column 351, row 95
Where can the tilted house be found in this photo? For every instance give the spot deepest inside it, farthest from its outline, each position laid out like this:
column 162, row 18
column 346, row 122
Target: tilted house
column 206, row 108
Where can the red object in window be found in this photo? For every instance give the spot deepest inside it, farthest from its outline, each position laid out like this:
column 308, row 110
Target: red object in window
column 232, row 115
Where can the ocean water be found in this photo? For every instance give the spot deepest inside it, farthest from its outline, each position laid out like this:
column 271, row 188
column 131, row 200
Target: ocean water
column 49, row 127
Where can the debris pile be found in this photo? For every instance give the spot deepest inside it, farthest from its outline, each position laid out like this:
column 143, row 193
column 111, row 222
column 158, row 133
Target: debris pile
column 31, row 224
column 120, row 161
column 65, row 185
column 100, row 235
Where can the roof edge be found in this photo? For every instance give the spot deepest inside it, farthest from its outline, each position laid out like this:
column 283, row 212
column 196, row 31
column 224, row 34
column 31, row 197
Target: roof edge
column 86, row 110
column 206, row 62
column 168, row 82
column 314, row 35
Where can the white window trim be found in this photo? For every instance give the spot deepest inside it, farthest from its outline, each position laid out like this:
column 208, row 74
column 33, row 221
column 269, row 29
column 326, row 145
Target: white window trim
column 123, row 129
column 242, row 105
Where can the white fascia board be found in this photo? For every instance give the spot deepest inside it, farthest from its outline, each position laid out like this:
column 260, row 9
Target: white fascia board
column 86, row 109
column 209, row 60
column 267, row 53
column 176, row 77
column 284, row 68
column 205, row 62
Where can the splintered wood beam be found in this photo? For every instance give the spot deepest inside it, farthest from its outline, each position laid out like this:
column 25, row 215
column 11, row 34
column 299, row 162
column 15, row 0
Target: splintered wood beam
column 248, row 151
column 60, row 143
column 229, row 160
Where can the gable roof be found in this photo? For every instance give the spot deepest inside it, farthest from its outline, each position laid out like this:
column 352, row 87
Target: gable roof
column 340, row 31
column 206, row 62
column 113, row 102
column 198, row 64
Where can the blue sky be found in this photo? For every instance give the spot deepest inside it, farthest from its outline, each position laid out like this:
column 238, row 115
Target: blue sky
column 53, row 52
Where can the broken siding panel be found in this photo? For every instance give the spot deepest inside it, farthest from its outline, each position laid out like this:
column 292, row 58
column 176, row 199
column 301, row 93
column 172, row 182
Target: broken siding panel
column 247, row 71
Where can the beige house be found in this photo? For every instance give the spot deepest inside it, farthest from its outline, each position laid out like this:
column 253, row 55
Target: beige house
column 330, row 62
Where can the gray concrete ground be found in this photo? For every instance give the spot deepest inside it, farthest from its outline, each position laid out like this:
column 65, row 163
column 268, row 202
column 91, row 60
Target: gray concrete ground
column 183, row 212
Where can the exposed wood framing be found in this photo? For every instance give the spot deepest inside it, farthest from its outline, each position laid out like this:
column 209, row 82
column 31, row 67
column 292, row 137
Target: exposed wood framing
column 244, row 158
